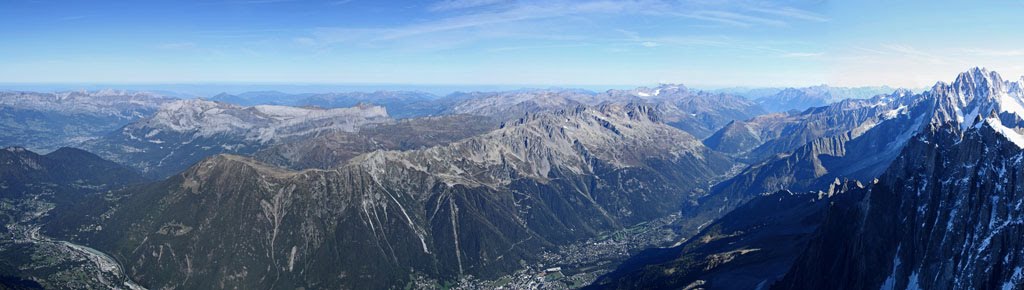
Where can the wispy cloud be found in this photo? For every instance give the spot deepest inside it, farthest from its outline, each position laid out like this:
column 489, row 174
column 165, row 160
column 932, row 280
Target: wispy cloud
column 919, row 55
column 178, row 46
column 802, row 54
column 242, row 33
column 493, row 13
column 672, row 40
column 790, row 12
column 732, row 18
column 305, row 41
column 467, row 21
column 339, row 2
column 74, row 17
column 262, row 1
column 534, row 47
column 994, row 52
column 649, row 44
column 241, row 2
column 448, row 5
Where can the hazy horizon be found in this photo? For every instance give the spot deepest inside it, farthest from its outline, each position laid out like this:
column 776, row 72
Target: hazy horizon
column 214, row 88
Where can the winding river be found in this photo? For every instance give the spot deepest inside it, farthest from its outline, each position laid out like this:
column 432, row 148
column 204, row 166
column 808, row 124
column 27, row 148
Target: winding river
column 110, row 271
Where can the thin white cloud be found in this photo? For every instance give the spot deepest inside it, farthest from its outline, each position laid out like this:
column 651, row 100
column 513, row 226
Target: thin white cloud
column 717, row 41
column 521, row 12
column 533, row 47
column 305, row 41
column 74, row 17
column 802, row 54
column 443, row 25
column 448, row 5
column 263, row 1
column 994, row 52
column 178, row 46
column 860, row 65
column 919, row 55
column 790, row 12
column 340, row 2
column 462, row 22
column 733, row 18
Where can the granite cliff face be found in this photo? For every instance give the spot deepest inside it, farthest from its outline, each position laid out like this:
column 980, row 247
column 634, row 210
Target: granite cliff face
column 478, row 206
column 945, row 215
column 940, row 209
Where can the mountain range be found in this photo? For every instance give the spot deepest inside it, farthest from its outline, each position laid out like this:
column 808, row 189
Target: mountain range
column 650, row 188
column 939, row 214
column 183, row 132
column 479, row 206
column 798, row 99
column 48, row 121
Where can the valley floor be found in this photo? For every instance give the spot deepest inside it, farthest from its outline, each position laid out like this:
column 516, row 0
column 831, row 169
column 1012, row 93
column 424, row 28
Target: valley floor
column 51, row 263
column 579, row 264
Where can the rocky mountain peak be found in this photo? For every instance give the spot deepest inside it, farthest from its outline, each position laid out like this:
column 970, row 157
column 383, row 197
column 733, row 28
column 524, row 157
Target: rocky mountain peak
column 978, row 83
column 208, row 171
column 901, row 92
column 978, row 92
column 535, row 145
column 839, row 186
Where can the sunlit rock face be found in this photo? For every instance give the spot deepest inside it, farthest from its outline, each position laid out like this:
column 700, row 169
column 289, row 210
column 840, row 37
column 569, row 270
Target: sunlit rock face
column 946, row 214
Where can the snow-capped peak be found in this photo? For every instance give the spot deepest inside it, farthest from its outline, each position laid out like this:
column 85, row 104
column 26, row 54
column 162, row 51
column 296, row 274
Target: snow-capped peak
column 977, row 92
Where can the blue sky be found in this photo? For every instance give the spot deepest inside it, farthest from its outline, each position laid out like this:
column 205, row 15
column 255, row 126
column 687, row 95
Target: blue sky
column 565, row 43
